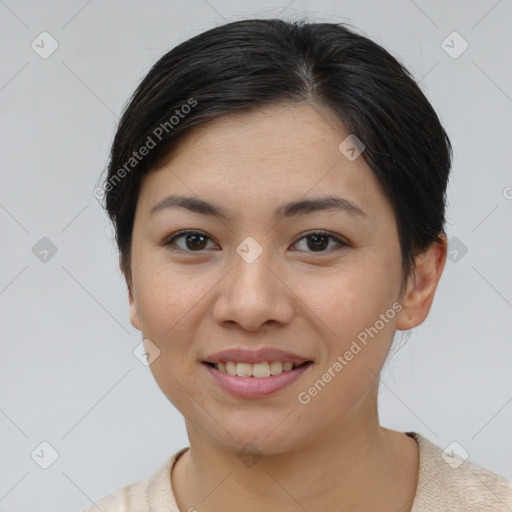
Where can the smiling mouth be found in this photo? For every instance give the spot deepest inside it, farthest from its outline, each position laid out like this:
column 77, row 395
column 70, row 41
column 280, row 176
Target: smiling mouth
column 257, row 370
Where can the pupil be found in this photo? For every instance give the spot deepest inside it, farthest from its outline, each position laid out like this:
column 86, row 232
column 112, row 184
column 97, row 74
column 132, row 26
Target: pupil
column 317, row 245
column 195, row 244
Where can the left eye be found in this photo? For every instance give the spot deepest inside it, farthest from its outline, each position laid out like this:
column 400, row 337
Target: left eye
column 319, row 240
column 195, row 241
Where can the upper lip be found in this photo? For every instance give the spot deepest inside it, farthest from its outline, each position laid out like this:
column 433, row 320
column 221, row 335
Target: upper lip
column 241, row 355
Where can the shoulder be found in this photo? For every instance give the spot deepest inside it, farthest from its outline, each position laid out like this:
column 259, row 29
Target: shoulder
column 143, row 496
column 448, row 481
column 126, row 499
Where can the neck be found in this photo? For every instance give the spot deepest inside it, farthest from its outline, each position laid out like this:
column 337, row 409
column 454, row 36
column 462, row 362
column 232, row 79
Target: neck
column 357, row 465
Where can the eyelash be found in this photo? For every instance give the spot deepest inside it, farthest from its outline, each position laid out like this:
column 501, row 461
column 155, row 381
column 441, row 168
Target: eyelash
column 170, row 241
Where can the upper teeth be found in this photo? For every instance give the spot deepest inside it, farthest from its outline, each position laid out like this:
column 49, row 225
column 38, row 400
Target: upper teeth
column 264, row 369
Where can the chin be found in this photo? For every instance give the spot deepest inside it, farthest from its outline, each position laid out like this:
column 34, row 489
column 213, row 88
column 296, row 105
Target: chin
column 264, row 439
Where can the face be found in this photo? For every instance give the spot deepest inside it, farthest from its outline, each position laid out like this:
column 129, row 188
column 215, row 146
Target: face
column 314, row 282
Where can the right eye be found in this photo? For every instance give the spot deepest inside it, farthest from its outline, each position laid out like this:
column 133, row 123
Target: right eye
column 192, row 241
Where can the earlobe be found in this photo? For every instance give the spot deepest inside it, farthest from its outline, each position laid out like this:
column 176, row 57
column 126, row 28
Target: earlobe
column 134, row 315
column 421, row 286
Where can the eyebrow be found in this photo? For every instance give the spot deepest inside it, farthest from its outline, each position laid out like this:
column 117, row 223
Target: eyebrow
column 293, row 208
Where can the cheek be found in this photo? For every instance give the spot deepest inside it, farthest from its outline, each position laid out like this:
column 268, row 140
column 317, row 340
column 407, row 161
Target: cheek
column 166, row 296
column 353, row 293
column 167, row 303
column 349, row 302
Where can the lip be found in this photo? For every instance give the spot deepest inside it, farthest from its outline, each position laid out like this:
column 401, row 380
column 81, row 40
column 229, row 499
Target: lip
column 255, row 387
column 240, row 355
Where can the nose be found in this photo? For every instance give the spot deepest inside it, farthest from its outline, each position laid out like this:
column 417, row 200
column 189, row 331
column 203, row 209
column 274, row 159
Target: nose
column 253, row 295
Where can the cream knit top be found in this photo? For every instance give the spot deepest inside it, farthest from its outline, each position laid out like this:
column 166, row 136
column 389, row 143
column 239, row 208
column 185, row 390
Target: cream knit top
column 444, row 485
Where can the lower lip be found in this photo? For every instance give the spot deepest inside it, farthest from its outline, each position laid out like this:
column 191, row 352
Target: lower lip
column 255, row 387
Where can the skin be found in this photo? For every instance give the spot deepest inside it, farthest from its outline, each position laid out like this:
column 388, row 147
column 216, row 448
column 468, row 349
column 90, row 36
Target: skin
column 328, row 454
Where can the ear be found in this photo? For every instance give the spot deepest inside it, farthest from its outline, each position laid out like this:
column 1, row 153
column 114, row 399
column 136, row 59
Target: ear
column 134, row 315
column 421, row 286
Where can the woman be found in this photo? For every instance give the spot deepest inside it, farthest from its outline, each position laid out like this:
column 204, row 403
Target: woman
column 278, row 194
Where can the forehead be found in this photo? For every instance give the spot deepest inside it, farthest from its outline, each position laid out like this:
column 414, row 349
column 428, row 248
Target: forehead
column 272, row 131
column 275, row 154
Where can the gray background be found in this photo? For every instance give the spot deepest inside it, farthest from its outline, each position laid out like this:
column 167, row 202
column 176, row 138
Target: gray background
column 68, row 373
